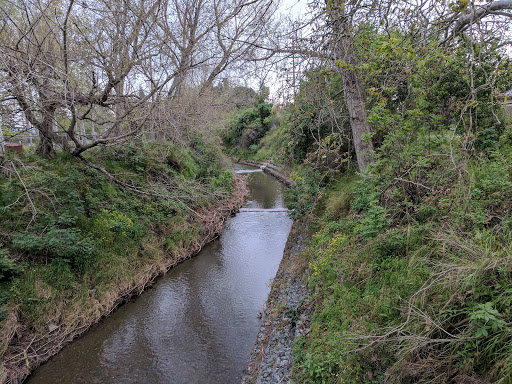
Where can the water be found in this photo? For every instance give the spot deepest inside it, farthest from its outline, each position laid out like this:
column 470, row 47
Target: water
column 199, row 322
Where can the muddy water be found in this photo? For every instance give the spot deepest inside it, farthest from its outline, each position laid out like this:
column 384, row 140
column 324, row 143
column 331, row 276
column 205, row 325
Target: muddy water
column 198, row 323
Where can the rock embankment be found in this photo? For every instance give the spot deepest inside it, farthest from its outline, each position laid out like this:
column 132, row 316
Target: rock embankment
column 286, row 317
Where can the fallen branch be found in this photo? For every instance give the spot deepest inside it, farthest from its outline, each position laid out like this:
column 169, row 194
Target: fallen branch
column 32, row 206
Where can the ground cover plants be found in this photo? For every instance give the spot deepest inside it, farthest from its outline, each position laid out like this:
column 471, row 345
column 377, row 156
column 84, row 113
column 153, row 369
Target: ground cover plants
column 409, row 258
column 74, row 243
column 413, row 292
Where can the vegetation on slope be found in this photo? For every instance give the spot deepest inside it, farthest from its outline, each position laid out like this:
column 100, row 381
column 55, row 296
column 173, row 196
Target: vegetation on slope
column 247, row 126
column 412, row 292
column 73, row 243
column 410, row 261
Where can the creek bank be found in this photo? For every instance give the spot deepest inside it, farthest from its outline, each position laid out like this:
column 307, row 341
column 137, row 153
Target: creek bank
column 27, row 348
column 286, row 317
column 268, row 167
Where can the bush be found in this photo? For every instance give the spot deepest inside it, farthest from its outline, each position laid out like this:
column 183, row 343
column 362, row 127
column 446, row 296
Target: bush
column 66, row 244
column 303, row 195
column 249, row 125
column 8, row 267
column 110, row 226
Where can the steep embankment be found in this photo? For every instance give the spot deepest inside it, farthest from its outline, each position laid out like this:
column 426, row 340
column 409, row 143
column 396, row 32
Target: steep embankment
column 52, row 298
column 408, row 292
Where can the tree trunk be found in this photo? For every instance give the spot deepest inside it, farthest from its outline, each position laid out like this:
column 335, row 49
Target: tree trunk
column 1, row 136
column 45, row 147
column 352, row 87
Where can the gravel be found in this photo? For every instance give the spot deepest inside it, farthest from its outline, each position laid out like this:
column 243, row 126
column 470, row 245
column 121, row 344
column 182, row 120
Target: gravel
column 286, row 317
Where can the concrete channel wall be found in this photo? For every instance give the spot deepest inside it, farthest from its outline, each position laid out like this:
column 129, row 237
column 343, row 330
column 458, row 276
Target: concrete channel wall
column 268, row 167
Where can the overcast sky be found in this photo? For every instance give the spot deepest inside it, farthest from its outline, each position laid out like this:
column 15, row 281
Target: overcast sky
column 293, row 7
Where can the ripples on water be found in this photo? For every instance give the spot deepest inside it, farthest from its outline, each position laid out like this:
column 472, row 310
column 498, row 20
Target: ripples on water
column 198, row 323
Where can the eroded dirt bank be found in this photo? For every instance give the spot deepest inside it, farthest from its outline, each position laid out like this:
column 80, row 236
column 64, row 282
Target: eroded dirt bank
column 26, row 349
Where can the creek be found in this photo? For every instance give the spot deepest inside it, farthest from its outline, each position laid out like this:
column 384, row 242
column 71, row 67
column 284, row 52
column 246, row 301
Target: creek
column 199, row 321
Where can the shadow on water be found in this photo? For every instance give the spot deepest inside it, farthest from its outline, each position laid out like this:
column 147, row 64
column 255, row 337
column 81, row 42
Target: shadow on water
column 198, row 323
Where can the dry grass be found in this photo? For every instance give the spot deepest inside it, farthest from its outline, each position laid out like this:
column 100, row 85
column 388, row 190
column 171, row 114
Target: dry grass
column 24, row 348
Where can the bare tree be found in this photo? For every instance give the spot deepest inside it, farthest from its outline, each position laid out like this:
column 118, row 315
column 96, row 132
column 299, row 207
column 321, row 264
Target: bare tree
column 70, row 63
column 206, row 38
column 73, row 61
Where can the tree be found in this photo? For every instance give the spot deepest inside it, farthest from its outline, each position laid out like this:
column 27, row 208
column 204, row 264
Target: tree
column 70, row 63
column 346, row 63
column 73, row 61
column 206, row 38
column 329, row 35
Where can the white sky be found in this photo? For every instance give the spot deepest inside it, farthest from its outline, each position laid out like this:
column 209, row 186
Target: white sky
column 293, row 7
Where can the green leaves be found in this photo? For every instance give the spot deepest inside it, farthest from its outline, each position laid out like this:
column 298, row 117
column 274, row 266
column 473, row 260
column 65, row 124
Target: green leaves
column 374, row 222
column 8, row 267
column 249, row 125
column 67, row 244
column 486, row 318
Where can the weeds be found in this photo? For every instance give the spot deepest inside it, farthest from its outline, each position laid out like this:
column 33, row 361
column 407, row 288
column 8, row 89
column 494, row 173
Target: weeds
column 92, row 240
column 418, row 287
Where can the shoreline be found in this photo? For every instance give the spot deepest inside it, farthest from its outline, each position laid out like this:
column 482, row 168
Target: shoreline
column 287, row 312
column 28, row 349
column 268, row 167
column 286, row 316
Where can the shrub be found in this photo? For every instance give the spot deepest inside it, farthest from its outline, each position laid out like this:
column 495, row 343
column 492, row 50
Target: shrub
column 66, row 244
column 8, row 267
column 304, row 194
column 110, row 226
column 249, row 125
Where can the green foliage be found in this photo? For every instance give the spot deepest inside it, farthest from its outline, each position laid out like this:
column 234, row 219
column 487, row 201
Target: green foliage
column 365, row 194
column 314, row 129
column 110, row 226
column 8, row 267
column 319, row 371
column 224, row 180
column 303, row 195
column 374, row 222
column 409, row 263
column 180, row 159
column 59, row 275
column 129, row 156
column 389, row 280
column 340, row 196
column 486, row 319
column 71, row 233
column 4, row 296
column 248, row 126
column 380, row 278
column 66, row 244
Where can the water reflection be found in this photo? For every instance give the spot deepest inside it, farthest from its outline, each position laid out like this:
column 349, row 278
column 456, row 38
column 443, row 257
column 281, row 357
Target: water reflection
column 198, row 323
